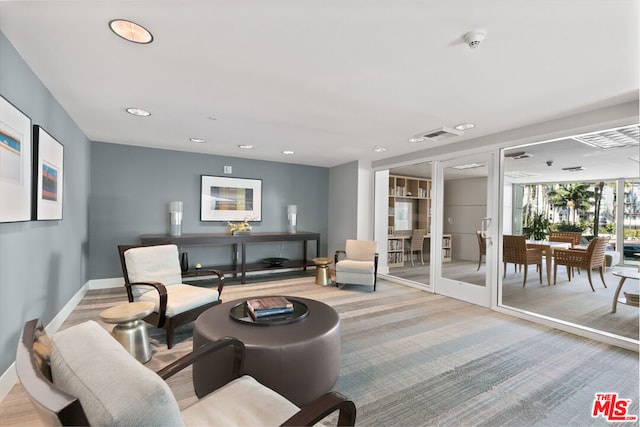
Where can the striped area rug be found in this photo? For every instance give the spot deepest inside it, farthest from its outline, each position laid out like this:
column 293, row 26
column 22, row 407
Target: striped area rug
column 412, row 358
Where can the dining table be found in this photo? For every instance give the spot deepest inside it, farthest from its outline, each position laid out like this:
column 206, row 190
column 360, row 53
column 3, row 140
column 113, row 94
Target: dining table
column 547, row 249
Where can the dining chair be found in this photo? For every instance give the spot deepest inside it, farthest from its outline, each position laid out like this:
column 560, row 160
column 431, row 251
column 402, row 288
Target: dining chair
column 588, row 259
column 514, row 250
column 417, row 242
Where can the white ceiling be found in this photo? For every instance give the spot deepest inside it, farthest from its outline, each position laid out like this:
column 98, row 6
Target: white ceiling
column 329, row 79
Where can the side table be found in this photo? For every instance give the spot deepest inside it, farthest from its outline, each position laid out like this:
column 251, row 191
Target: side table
column 323, row 277
column 624, row 275
column 130, row 331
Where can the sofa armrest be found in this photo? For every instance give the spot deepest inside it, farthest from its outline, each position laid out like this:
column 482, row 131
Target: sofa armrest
column 162, row 296
column 326, row 404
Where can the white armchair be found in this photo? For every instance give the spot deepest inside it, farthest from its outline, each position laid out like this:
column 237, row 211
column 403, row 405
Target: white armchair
column 153, row 274
column 359, row 265
column 82, row 376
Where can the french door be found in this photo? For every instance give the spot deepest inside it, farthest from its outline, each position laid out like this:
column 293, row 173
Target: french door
column 464, row 204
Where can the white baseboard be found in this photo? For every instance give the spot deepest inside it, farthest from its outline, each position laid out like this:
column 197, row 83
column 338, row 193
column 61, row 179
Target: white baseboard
column 10, row 377
column 7, row 381
column 114, row 282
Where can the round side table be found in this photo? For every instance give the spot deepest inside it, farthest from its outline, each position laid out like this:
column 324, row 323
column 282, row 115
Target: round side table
column 130, row 331
column 322, row 271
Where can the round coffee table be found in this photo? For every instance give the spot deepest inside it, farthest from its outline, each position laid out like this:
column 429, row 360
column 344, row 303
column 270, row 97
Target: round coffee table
column 300, row 360
column 130, row 331
column 323, row 278
column 624, row 274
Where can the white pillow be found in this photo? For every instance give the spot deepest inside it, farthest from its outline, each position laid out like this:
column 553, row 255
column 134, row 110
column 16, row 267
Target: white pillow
column 153, row 264
column 112, row 386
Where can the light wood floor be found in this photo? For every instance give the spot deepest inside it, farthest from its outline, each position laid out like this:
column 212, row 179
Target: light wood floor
column 411, row 358
column 568, row 301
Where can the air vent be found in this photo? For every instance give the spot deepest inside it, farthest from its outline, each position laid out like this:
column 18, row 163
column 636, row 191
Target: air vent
column 615, row 138
column 436, row 134
column 518, row 155
column 573, row 169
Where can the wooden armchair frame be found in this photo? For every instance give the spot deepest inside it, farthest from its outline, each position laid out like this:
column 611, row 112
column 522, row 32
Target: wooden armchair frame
column 57, row 407
column 515, row 251
column 160, row 318
column 592, row 257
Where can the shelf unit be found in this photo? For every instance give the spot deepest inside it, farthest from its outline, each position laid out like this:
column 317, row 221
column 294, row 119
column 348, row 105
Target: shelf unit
column 446, row 247
column 395, row 251
column 406, row 188
column 409, row 188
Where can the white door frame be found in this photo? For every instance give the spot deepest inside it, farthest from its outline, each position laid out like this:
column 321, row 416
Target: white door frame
column 480, row 295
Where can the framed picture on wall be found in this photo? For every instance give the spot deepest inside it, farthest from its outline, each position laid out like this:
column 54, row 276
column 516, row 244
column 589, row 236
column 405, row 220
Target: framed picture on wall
column 48, row 174
column 15, row 163
column 230, row 199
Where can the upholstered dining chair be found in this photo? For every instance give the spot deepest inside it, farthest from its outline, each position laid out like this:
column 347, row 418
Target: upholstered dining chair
column 153, row 273
column 588, row 259
column 357, row 264
column 482, row 247
column 416, row 244
column 83, row 376
column 515, row 251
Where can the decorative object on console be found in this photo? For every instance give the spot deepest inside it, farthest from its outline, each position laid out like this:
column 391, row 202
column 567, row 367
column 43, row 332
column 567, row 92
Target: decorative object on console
column 184, row 261
column 240, row 228
column 175, row 218
column 275, row 261
column 230, row 199
column 292, row 214
column 15, row 164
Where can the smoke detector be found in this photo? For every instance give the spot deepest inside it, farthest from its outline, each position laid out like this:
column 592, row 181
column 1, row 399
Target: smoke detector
column 474, row 38
column 436, row 134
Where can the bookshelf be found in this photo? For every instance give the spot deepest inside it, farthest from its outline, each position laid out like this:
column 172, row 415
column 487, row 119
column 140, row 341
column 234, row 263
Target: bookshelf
column 405, row 188
column 446, row 247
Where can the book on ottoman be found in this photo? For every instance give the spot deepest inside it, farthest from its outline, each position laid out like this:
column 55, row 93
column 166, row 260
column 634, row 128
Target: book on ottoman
column 269, row 306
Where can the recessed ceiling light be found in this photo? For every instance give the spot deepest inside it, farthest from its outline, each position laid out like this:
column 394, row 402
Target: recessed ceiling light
column 138, row 112
column 198, row 140
column 416, row 139
column 287, row 152
column 379, row 149
column 245, row 146
column 131, row 31
column 464, row 126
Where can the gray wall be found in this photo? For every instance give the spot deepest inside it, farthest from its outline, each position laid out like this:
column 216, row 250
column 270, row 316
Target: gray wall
column 132, row 186
column 343, row 205
column 42, row 263
column 465, row 204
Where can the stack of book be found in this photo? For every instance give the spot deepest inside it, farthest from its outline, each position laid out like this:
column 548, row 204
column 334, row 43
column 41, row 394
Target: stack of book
column 632, row 299
column 260, row 308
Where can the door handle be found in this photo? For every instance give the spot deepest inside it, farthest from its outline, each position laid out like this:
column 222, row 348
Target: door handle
column 484, row 228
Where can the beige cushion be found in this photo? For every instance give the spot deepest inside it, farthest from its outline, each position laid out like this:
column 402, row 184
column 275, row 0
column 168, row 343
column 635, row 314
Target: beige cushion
column 181, row 298
column 242, row 402
column 153, row 264
column 360, row 250
column 113, row 387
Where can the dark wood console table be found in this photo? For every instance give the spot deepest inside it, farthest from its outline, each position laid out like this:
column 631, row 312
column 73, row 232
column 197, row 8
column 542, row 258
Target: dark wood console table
column 243, row 240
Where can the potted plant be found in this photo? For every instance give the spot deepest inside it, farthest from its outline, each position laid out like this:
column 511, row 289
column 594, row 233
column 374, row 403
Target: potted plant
column 537, row 227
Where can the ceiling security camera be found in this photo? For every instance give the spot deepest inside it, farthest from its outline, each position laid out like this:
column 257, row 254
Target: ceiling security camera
column 473, row 38
column 549, row 162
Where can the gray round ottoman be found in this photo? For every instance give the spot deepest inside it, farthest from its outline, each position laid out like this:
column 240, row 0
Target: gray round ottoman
column 299, row 360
